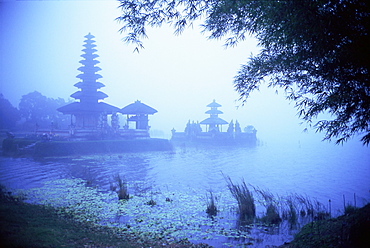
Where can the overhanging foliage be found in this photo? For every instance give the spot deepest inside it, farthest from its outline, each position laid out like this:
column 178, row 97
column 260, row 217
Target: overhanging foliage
column 316, row 50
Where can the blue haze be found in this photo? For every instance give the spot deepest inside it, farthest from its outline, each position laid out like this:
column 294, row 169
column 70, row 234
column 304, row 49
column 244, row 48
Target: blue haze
column 41, row 43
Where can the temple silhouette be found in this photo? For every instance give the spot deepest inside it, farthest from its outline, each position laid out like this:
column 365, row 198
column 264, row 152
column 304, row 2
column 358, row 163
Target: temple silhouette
column 89, row 114
column 214, row 123
column 213, row 133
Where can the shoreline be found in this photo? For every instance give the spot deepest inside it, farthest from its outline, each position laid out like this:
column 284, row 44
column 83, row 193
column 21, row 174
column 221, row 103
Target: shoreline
column 53, row 148
column 29, row 225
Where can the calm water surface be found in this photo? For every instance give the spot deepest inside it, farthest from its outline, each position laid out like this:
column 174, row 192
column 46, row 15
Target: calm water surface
column 316, row 169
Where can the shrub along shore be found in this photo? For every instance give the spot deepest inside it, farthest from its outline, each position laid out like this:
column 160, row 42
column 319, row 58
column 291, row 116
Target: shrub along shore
column 349, row 230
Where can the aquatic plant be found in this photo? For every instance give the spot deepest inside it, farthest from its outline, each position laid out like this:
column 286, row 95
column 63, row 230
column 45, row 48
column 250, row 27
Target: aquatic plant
column 306, row 206
column 244, row 197
column 122, row 190
column 71, row 197
column 151, row 202
column 211, row 205
column 272, row 215
column 290, row 211
column 270, row 202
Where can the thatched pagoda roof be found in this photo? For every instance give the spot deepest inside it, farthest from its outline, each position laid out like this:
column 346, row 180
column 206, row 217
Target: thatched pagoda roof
column 91, row 95
column 214, row 112
column 138, row 108
column 214, row 120
column 78, row 107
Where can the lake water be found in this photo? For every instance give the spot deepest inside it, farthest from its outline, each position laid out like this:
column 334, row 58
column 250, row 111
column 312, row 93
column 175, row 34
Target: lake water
column 315, row 169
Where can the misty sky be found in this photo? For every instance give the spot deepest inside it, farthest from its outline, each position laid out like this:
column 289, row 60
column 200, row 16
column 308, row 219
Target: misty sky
column 41, row 43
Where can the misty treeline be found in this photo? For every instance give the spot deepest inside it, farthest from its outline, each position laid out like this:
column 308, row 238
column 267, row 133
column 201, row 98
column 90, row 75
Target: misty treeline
column 34, row 111
column 317, row 52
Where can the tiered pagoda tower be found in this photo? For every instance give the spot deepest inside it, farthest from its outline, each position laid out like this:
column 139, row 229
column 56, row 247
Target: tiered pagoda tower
column 214, row 122
column 90, row 112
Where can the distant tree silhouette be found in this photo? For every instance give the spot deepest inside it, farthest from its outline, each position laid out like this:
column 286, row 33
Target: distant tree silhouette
column 316, row 51
column 40, row 111
column 9, row 115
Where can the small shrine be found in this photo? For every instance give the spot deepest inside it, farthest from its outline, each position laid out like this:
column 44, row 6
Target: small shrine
column 213, row 122
column 89, row 113
column 137, row 113
column 213, row 135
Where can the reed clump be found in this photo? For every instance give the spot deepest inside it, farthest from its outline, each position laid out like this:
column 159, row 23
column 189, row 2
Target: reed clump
column 317, row 211
column 270, row 202
column 244, row 197
column 306, row 206
column 290, row 211
column 211, row 205
column 272, row 215
column 120, row 186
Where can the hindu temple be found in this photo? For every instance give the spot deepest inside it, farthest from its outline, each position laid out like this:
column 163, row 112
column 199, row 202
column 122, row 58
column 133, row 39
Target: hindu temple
column 213, row 133
column 90, row 114
column 213, row 122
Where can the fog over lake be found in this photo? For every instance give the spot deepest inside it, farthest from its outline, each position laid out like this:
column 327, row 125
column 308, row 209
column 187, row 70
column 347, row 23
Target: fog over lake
column 41, row 43
column 177, row 75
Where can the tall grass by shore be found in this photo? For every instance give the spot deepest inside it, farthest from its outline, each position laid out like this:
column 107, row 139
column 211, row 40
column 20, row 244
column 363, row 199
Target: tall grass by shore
column 120, row 186
column 244, row 197
column 211, row 205
column 270, row 202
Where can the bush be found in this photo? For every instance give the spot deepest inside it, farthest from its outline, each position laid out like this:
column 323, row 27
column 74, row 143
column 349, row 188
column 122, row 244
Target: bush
column 349, row 230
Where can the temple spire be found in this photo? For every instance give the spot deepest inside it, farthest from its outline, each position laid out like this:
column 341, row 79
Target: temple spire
column 89, row 112
column 214, row 122
column 88, row 85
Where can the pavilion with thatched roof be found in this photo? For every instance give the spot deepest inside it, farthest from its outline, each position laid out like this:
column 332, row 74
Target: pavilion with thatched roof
column 137, row 114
